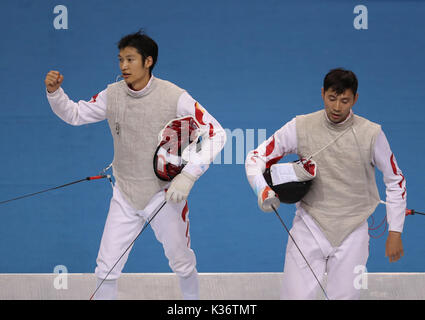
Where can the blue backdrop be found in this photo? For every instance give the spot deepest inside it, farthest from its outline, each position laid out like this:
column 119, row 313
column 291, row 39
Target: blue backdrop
column 253, row 64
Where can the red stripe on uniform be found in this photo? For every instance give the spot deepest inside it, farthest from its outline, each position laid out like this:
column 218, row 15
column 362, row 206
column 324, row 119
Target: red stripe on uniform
column 199, row 114
column 187, row 234
column 212, row 133
column 269, row 148
column 93, row 99
column 401, row 182
column 393, row 165
column 184, row 212
column 273, row 161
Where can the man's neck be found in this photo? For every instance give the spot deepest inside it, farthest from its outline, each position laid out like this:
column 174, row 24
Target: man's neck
column 141, row 84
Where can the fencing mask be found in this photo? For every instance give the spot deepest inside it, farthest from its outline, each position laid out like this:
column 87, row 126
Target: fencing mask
column 174, row 141
column 291, row 181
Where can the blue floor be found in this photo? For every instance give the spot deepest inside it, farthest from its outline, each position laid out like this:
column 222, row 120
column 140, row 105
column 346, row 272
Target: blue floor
column 252, row 64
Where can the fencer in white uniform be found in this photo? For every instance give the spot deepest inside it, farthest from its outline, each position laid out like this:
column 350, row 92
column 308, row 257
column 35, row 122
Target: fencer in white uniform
column 136, row 112
column 330, row 224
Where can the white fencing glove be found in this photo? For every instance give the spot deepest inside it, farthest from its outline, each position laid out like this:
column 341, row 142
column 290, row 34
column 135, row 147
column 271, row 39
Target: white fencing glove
column 266, row 198
column 180, row 187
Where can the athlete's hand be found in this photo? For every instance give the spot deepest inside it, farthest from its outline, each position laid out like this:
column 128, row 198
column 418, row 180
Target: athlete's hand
column 180, row 187
column 53, row 81
column 394, row 246
column 266, row 198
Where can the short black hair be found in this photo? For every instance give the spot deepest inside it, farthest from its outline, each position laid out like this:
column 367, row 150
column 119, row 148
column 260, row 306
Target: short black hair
column 340, row 80
column 144, row 44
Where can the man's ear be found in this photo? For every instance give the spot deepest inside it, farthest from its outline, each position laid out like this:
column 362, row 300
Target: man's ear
column 148, row 62
column 356, row 97
column 323, row 93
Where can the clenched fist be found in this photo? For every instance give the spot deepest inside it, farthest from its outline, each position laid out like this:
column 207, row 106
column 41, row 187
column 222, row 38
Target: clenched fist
column 53, row 81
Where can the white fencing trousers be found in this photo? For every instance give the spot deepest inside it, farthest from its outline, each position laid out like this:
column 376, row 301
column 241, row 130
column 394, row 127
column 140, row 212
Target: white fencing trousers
column 171, row 228
column 344, row 265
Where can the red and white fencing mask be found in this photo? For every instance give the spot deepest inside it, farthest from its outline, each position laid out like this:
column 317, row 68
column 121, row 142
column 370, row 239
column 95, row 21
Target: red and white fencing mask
column 173, row 139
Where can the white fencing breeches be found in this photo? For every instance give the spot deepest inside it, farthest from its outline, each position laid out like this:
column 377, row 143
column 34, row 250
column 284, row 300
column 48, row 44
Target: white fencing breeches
column 171, row 228
column 343, row 265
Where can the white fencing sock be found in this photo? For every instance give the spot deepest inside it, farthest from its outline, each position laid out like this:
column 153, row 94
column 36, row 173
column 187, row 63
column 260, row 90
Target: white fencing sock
column 190, row 286
column 107, row 291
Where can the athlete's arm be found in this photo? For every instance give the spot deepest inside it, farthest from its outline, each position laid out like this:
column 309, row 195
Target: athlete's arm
column 74, row 113
column 395, row 184
column 281, row 143
column 213, row 136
